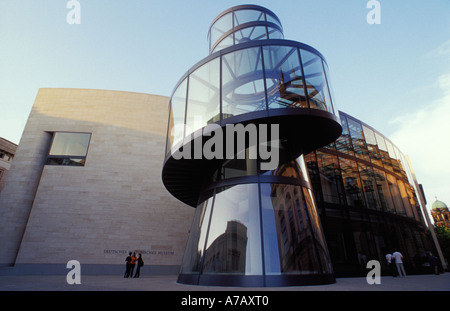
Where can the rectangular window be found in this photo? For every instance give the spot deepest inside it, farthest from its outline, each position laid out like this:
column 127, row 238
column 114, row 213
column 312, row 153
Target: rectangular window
column 68, row 149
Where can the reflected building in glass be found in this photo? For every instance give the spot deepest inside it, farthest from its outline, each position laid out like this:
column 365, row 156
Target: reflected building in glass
column 253, row 226
column 342, row 194
column 369, row 201
column 302, row 193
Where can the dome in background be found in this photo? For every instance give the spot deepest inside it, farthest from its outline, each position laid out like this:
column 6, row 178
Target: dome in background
column 438, row 204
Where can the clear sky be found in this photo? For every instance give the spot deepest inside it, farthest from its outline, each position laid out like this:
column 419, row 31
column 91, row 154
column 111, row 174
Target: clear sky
column 394, row 76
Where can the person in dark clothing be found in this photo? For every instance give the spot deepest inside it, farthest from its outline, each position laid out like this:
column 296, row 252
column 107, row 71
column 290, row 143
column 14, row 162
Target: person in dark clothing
column 132, row 263
column 140, row 263
column 433, row 263
column 127, row 266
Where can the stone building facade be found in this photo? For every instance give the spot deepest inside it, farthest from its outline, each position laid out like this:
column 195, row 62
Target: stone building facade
column 97, row 207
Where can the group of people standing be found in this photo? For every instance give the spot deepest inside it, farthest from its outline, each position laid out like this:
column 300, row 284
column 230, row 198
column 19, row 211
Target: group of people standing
column 395, row 262
column 131, row 262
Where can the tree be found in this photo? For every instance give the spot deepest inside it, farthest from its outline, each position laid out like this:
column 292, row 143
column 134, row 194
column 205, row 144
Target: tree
column 443, row 236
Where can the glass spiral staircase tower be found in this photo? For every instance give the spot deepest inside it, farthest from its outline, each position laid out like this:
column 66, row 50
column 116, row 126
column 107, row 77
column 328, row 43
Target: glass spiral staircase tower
column 254, row 225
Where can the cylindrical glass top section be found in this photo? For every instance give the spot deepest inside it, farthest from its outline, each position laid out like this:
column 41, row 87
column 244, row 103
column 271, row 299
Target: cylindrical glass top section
column 260, row 76
column 242, row 24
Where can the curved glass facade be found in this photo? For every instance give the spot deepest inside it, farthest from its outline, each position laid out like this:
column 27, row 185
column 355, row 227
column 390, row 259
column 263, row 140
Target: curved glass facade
column 367, row 201
column 256, row 222
column 341, row 194
column 241, row 24
column 261, row 76
column 258, row 234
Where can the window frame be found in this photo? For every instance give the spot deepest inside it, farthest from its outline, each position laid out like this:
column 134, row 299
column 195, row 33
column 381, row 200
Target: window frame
column 51, row 158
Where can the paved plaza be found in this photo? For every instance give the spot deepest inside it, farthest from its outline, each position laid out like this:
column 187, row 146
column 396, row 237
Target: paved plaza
column 421, row 283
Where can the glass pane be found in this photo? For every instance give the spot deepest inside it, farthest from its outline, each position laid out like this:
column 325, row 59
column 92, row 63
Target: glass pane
column 70, row 144
column 385, row 159
column 273, row 20
column 234, row 240
column 196, row 241
column 288, row 169
column 226, row 42
column 242, row 82
column 287, row 231
column 369, row 186
column 392, row 181
column 284, row 77
column 372, row 146
column 383, row 191
column 315, row 80
column 245, row 16
column 393, row 156
column 176, row 116
column 330, row 178
column 358, row 141
column 238, row 167
column 250, row 33
column 203, row 96
column 352, row 183
column 344, row 143
column 405, row 198
column 319, row 237
column 274, row 33
column 220, row 27
column 331, row 99
column 66, row 161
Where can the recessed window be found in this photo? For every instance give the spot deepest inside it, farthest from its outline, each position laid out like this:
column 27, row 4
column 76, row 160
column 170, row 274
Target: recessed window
column 69, row 149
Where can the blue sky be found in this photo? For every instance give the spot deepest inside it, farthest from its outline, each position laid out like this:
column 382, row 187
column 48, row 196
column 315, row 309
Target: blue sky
column 394, row 76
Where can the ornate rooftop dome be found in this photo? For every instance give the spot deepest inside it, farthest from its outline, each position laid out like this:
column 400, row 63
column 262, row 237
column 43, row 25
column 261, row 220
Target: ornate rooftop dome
column 438, row 204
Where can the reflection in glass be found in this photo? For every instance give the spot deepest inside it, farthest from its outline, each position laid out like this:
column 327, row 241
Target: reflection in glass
column 315, row 81
column 372, row 146
column 176, row 115
column 383, row 191
column 288, row 231
column 238, row 167
column 369, row 186
column 405, row 198
column 66, row 161
column 330, row 178
column 352, row 183
column 242, row 82
column 203, row 101
column 69, row 149
column 358, row 141
column 70, row 144
column 385, row 159
column 284, row 77
column 396, row 194
column 344, row 143
column 234, row 244
column 196, row 242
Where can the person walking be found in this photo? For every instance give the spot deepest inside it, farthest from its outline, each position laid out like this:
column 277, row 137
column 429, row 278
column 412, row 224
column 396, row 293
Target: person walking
column 140, row 263
column 398, row 257
column 127, row 265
